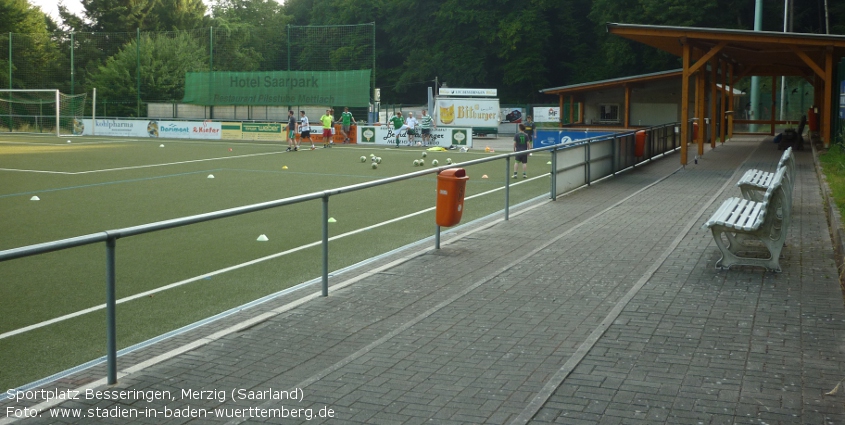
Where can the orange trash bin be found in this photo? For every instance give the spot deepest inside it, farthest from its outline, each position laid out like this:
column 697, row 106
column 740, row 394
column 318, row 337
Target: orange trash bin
column 451, row 185
column 639, row 143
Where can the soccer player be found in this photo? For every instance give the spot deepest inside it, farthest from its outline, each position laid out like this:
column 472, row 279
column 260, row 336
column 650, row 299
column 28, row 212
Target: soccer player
column 529, row 128
column 398, row 125
column 521, row 142
column 346, row 121
column 292, row 145
column 305, row 129
column 411, row 123
column 426, row 123
column 327, row 121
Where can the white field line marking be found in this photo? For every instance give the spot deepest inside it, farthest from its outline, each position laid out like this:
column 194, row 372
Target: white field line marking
column 239, row 266
column 135, row 167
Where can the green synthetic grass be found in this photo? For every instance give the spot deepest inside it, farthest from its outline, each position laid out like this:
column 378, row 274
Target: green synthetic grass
column 833, row 165
column 97, row 184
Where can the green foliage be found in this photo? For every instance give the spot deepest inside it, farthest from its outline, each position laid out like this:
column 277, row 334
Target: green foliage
column 164, row 60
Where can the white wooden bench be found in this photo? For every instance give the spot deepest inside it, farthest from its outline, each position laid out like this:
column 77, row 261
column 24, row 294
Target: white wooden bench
column 754, row 183
column 741, row 221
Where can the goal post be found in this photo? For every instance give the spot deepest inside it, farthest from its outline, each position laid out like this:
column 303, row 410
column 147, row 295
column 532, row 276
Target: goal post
column 42, row 111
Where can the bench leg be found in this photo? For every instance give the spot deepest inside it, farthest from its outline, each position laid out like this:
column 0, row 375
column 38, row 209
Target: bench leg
column 730, row 250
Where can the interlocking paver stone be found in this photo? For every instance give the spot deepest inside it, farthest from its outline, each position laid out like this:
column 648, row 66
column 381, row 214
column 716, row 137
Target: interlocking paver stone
column 600, row 307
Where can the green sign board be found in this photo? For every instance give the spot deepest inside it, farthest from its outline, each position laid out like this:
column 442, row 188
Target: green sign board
column 279, row 88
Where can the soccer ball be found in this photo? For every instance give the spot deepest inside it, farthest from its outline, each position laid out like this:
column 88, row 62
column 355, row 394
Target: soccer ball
column 378, row 160
column 373, row 159
column 434, row 163
column 448, row 160
column 374, row 166
column 363, row 158
column 425, row 154
column 422, row 161
column 416, row 163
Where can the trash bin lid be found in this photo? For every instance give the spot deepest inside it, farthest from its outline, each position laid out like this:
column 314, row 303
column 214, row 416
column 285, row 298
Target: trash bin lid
column 453, row 172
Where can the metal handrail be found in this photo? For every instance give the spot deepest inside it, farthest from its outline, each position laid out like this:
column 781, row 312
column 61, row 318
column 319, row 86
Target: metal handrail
column 110, row 237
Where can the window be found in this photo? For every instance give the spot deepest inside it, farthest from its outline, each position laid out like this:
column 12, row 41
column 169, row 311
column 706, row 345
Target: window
column 609, row 113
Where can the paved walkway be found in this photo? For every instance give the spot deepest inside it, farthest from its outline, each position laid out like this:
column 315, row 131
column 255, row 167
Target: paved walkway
column 600, row 307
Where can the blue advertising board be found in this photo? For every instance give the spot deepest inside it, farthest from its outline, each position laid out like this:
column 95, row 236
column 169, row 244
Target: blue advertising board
column 544, row 138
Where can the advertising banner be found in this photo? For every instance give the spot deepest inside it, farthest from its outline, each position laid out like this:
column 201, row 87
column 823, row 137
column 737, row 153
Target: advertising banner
column 350, row 88
column 153, row 128
column 384, row 135
column 467, row 112
column 263, row 131
column 547, row 114
column 511, row 115
column 448, row 91
column 555, row 137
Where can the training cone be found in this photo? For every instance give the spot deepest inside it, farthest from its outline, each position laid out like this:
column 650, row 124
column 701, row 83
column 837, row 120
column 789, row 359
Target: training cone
column 262, row 238
column 230, row 149
column 35, row 198
column 549, row 163
column 484, row 176
column 161, row 146
column 332, row 220
column 68, row 141
column 487, row 149
column 284, row 167
column 211, row 176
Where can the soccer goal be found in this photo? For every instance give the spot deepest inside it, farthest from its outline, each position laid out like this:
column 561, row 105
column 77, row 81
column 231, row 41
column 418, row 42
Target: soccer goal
column 45, row 111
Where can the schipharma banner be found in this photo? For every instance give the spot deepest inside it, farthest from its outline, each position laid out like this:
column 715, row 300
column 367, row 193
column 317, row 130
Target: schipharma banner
column 279, row 88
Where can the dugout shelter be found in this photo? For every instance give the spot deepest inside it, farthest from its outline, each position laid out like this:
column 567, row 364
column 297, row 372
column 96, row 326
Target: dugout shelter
column 712, row 56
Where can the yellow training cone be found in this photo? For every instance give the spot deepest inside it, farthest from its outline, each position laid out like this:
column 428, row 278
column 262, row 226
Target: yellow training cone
column 284, row 167
column 332, row 220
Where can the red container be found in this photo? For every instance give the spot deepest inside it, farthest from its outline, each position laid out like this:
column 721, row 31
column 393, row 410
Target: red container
column 451, row 185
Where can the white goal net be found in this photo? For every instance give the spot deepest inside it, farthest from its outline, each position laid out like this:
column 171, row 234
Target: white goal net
column 42, row 111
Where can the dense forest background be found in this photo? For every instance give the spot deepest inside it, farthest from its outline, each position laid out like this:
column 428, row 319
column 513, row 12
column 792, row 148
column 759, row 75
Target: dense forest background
column 516, row 47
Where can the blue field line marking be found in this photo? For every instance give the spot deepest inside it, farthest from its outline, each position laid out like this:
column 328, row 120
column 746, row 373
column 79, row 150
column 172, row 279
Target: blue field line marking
column 35, row 192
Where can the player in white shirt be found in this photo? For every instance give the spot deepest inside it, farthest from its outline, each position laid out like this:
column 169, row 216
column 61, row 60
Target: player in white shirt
column 411, row 123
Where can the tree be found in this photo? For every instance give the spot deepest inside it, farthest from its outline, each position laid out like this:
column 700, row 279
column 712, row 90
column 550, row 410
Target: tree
column 164, row 60
column 34, row 55
column 131, row 15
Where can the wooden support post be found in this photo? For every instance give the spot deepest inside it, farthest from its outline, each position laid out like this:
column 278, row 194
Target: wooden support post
column 685, row 102
column 700, row 108
column 627, row 120
column 712, row 132
column 824, row 115
column 723, row 97
column 774, row 104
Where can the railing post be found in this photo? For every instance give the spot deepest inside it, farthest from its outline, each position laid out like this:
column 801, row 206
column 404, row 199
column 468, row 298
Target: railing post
column 111, row 331
column 507, row 186
column 553, row 174
column 326, row 245
column 436, row 237
column 587, row 163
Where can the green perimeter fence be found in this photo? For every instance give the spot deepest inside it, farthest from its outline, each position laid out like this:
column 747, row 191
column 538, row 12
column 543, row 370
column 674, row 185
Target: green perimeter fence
column 610, row 154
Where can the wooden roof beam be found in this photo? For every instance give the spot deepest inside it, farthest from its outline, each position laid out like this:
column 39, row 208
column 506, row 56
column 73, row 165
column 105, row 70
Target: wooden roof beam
column 707, row 56
column 809, row 61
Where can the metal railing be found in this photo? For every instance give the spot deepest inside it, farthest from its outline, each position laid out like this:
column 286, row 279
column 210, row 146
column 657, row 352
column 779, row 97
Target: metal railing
column 659, row 143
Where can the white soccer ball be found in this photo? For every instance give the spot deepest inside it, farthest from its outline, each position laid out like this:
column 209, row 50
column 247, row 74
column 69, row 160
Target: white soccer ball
column 422, row 161
column 378, row 160
column 448, row 160
column 363, row 158
column 425, row 154
column 374, row 166
column 434, row 162
column 416, row 163
column 373, row 159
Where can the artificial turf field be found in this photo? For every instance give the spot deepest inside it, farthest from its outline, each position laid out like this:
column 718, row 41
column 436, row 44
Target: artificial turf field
column 97, row 184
